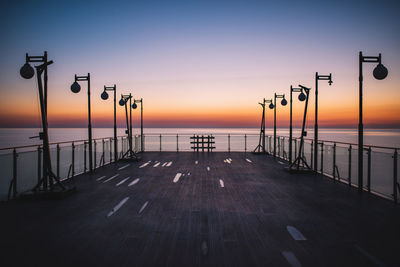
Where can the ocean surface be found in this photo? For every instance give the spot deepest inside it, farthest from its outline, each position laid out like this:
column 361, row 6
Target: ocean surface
column 10, row 137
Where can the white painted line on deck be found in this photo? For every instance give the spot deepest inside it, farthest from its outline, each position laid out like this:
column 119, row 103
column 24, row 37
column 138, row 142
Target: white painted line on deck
column 280, row 162
column 230, row 159
column 196, row 162
column 134, row 182
column 156, row 165
column 291, row 258
column 164, row 164
column 296, row 234
column 100, row 178
column 123, row 181
column 169, row 164
column 188, row 174
column 208, row 168
column 248, row 160
column 123, row 167
column 177, row 176
column 116, row 208
column 143, row 207
column 221, row 183
column 145, row 164
column 369, row 256
column 109, row 179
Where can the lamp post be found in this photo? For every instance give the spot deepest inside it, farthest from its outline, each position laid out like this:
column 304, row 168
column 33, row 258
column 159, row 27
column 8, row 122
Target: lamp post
column 75, row 88
column 380, row 72
column 104, row 96
column 27, row 72
column 302, row 97
column 134, row 106
column 261, row 142
column 283, row 103
column 317, row 78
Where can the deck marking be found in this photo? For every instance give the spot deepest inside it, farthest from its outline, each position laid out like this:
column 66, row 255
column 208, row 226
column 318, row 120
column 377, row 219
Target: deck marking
column 165, row 163
column 145, row 164
column 291, row 258
column 123, row 167
column 156, row 165
column 221, row 183
column 134, row 182
column 143, row 207
column 109, row 179
column 248, row 160
column 369, row 256
column 230, row 159
column 116, row 208
column 177, row 176
column 296, row 234
column 280, row 162
column 225, row 160
column 208, row 168
column 101, row 178
column 123, row 181
column 183, row 174
column 196, row 162
column 169, row 164
column 188, row 174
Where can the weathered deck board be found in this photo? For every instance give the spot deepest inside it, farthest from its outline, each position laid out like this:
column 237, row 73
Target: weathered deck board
column 242, row 224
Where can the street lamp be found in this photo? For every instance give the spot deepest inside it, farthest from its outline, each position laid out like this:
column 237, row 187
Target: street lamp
column 75, row 88
column 261, row 142
column 302, row 97
column 134, row 106
column 300, row 159
column 380, row 72
column 27, row 72
column 104, row 96
column 317, row 78
column 283, row 103
column 123, row 102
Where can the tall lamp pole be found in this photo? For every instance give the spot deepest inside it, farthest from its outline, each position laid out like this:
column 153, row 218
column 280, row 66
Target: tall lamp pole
column 283, row 103
column 317, row 78
column 104, row 96
column 75, row 88
column 261, row 142
column 134, row 106
column 380, row 72
column 302, row 97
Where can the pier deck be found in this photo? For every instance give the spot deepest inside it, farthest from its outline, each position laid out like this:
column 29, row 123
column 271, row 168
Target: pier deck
column 247, row 212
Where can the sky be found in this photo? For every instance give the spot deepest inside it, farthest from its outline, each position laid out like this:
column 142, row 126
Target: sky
column 200, row 63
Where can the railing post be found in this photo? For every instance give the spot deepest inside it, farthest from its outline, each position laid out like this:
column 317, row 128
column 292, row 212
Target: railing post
column 350, row 149
column 395, row 184
column 245, row 143
column 177, row 143
column 322, row 158
column 110, row 150
column 15, row 156
column 84, row 157
column 94, row 155
column 58, row 160
column 334, row 162
column 369, row 170
column 295, row 148
column 229, row 143
column 142, row 144
column 73, row 159
column 39, row 164
column 160, row 142
column 312, row 154
column 103, row 154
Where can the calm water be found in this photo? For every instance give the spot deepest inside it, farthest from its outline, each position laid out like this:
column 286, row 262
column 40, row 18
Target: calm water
column 10, row 137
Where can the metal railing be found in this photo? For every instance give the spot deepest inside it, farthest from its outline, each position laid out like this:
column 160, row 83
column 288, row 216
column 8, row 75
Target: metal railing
column 22, row 166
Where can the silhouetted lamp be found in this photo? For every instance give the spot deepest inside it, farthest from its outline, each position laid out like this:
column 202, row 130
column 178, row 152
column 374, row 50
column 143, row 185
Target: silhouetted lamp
column 27, row 71
column 122, row 102
column 75, row 87
column 380, row 72
column 104, row 95
column 302, row 96
column 284, row 102
column 134, row 106
column 271, row 106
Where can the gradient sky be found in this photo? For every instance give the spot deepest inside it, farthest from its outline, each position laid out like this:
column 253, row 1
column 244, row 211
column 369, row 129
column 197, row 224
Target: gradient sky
column 200, row 63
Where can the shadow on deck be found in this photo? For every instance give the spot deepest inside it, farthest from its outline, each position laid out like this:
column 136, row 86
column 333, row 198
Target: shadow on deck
column 245, row 212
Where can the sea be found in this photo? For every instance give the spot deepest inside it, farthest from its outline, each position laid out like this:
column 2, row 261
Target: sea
column 13, row 137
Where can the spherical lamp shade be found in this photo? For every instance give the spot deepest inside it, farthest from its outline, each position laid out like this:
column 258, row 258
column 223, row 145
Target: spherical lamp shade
column 271, row 106
column 380, row 72
column 302, row 96
column 134, row 106
column 122, row 102
column 75, row 87
column 284, row 102
column 104, row 95
column 27, row 71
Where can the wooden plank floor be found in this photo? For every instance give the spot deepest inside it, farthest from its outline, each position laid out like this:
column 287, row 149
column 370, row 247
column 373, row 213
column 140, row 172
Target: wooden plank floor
column 197, row 222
